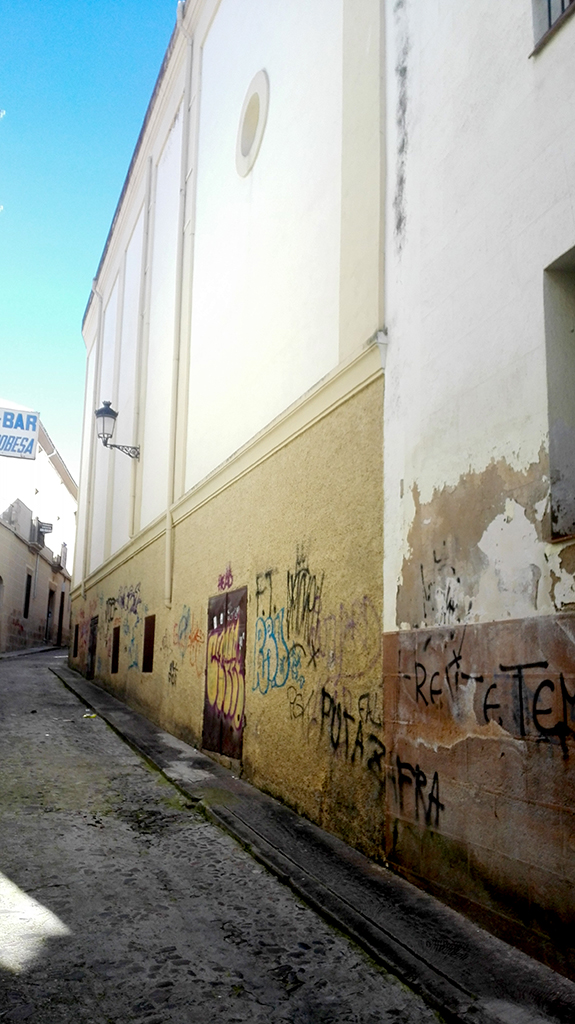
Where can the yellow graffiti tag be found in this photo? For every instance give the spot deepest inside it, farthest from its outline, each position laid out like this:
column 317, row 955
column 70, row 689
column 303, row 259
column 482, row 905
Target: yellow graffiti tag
column 225, row 682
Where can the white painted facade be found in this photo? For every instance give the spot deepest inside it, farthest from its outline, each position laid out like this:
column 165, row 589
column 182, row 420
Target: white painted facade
column 221, row 298
column 480, row 200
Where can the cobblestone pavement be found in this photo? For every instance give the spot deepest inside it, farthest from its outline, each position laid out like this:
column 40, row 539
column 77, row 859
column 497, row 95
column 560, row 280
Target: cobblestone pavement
column 122, row 904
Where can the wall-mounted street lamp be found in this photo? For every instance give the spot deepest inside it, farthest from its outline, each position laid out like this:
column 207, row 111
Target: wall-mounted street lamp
column 106, row 418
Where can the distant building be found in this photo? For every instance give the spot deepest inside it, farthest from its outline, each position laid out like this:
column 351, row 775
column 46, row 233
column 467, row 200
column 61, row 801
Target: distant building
column 39, row 499
column 336, row 311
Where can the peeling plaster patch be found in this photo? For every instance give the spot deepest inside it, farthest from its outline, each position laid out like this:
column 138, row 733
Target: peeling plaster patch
column 541, row 509
column 475, row 551
column 562, row 569
column 515, row 564
column 460, row 732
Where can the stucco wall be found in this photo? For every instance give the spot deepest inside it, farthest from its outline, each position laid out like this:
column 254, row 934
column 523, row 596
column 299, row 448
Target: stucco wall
column 302, row 531
column 16, row 562
column 265, row 302
column 481, row 198
column 478, row 677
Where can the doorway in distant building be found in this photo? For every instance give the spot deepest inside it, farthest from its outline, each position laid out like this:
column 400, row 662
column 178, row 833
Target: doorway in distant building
column 49, row 614
column 92, row 644
column 225, row 696
column 60, row 619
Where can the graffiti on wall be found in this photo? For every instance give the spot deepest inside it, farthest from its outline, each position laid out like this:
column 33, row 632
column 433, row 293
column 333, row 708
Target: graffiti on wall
column 303, row 605
column 264, row 594
column 129, row 600
column 526, row 699
column 226, row 580
column 300, row 639
column 224, row 704
column 15, row 622
column 224, row 672
column 187, row 639
column 86, row 612
column 417, row 795
column 123, row 610
column 275, row 662
column 350, row 641
column 444, row 599
column 351, row 729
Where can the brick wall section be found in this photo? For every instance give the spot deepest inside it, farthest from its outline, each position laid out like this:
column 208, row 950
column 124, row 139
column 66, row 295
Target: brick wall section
column 480, row 726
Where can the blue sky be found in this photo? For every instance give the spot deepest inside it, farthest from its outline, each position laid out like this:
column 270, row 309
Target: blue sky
column 75, row 80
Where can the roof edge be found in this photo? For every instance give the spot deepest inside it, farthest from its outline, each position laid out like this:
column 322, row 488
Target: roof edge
column 135, row 155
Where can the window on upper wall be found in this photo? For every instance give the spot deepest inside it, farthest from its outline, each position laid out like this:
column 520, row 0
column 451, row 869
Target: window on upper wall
column 149, row 631
column 115, row 650
column 27, row 595
column 559, row 299
column 548, row 16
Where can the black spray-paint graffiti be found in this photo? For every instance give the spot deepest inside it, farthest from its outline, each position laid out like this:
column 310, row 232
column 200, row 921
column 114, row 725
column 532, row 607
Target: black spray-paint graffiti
column 303, row 606
column 352, row 734
column 173, row 673
column 522, row 698
column 347, row 724
column 562, row 718
column 110, row 611
column 429, row 684
column 265, row 607
column 424, row 801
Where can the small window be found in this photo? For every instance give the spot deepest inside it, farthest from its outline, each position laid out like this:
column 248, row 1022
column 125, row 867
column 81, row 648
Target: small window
column 252, row 123
column 115, row 649
column 27, row 595
column 75, row 648
column 559, row 295
column 149, row 631
column 548, row 16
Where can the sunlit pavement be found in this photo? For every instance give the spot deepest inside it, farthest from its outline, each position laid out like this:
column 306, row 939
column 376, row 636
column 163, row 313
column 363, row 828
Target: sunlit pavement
column 120, row 903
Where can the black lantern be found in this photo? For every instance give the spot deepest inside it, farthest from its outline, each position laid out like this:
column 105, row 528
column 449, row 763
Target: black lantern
column 106, row 421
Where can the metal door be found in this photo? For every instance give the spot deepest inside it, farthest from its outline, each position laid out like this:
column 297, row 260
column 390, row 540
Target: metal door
column 225, row 696
column 92, row 644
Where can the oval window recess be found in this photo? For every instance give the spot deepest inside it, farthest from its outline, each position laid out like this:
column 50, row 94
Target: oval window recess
column 252, row 123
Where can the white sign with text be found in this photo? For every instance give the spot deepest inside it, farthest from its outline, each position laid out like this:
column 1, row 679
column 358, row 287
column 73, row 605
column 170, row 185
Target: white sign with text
column 19, row 433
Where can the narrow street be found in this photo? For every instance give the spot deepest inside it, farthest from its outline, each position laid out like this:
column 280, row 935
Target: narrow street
column 121, row 903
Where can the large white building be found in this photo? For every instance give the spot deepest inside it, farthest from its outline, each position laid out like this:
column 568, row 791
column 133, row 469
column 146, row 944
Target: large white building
column 336, row 311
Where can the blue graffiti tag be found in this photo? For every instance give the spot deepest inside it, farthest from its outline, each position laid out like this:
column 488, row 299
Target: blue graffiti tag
column 274, row 660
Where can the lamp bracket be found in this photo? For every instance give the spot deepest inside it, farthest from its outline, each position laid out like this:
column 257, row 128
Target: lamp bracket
column 133, row 450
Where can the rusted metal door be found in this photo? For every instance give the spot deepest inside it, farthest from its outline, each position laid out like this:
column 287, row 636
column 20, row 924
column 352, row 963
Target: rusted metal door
column 225, row 696
column 92, row 644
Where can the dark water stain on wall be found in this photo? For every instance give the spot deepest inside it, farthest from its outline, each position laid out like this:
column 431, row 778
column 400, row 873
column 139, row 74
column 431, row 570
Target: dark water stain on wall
column 401, row 73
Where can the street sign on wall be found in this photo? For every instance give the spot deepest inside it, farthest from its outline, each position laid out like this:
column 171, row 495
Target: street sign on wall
column 19, row 433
